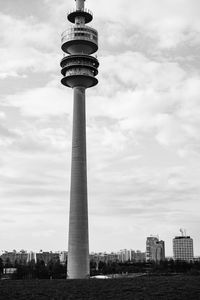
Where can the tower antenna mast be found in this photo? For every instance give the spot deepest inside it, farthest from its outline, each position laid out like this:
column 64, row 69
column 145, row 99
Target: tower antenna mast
column 79, row 70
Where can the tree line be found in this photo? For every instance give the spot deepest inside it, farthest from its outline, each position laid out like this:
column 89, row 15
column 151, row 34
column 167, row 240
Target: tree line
column 35, row 270
column 56, row 270
column 163, row 267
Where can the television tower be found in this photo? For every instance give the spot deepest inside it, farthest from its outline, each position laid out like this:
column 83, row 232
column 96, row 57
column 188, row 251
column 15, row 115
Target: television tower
column 79, row 69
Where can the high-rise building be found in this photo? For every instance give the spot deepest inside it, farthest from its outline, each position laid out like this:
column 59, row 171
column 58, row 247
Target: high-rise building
column 160, row 251
column 79, row 69
column 183, row 248
column 150, row 246
column 155, row 249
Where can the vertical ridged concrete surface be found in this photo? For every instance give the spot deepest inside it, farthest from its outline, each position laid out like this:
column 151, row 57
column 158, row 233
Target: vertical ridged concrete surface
column 78, row 245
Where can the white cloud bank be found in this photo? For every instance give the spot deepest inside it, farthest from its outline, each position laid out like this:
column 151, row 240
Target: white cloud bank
column 142, row 125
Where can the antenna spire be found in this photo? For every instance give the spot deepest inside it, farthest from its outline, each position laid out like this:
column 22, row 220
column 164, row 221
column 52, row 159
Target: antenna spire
column 80, row 4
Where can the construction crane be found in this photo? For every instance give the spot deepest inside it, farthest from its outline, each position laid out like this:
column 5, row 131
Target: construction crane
column 182, row 231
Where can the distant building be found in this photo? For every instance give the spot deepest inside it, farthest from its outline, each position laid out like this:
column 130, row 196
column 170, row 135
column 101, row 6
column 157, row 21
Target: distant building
column 131, row 255
column 31, row 257
column 160, row 251
column 23, row 257
column 150, row 247
column 197, row 259
column 137, row 256
column 47, row 256
column 155, row 249
column 183, row 248
column 112, row 257
column 63, row 257
column 103, row 257
column 124, row 255
column 10, row 258
column 8, row 272
column 121, row 256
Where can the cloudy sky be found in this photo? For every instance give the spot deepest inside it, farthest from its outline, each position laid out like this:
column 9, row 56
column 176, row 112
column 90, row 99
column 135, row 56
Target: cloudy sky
column 143, row 119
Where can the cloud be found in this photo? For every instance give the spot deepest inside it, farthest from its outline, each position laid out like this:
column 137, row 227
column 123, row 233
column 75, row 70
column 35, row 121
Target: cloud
column 49, row 100
column 149, row 96
column 142, row 124
column 26, row 45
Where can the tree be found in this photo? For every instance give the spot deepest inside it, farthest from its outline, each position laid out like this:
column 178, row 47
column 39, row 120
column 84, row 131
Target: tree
column 41, row 271
column 1, row 267
column 8, row 263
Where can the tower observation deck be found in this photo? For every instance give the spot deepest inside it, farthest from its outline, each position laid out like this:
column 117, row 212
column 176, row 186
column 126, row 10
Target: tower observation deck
column 79, row 70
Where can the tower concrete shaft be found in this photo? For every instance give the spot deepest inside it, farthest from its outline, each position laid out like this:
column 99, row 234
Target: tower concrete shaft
column 79, row 70
column 78, row 245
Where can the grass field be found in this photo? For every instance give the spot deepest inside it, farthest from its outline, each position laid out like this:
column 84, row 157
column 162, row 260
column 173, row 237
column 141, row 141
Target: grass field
column 153, row 287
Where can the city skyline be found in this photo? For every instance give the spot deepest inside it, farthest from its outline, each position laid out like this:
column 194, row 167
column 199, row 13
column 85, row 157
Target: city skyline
column 155, row 251
column 142, row 125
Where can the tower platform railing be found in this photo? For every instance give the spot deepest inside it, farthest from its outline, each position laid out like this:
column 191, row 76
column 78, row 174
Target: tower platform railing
column 80, row 33
column 84, row 12
column 81, row 10
column 81, row 64
column 80, row 28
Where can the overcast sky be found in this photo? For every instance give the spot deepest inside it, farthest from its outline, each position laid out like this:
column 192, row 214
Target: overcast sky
column 143, row 118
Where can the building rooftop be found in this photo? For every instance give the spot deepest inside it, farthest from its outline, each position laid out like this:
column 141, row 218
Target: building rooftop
column 182, row 237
